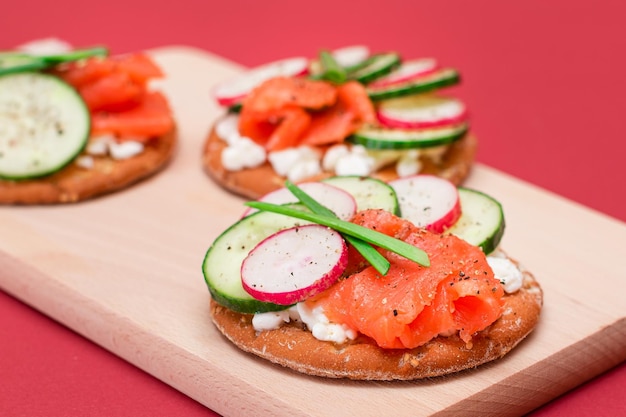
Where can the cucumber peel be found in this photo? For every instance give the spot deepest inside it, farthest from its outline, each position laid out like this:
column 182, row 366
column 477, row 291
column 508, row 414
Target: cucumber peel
column 482, row 220
column 442, row 78
column 378, row 137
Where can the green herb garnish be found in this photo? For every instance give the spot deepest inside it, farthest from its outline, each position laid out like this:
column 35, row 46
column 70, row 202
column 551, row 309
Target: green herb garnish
column 331, row 70
column 399, row 247
column 370, row 254
column 75, row 55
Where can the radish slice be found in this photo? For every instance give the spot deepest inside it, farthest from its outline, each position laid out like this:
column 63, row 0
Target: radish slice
column 428, row 201
column 233, row 91
column 407, row 71
column 339, row 201
column 351, row 56
column 294, row 264
column 421, row 111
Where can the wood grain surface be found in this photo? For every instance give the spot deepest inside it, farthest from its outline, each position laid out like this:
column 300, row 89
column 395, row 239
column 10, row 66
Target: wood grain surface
column 125, row 271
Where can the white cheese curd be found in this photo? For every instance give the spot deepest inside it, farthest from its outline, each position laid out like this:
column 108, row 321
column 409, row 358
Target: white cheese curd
column 304, row 169
column 332, row 155
column 274, row 319
column 409, row 164
column 107, row 144
column 357, row 162
column 282, row 161
column 46, row 46
column 321, row 328
column 99, row 145
column 125, row 150
column 314, row 319
column 84, row 161
column 506, row 272
column 228, row 129
column 243, row 153
column 296, row 163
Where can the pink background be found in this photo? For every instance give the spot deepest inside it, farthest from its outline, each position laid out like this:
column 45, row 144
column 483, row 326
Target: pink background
column 544, row 82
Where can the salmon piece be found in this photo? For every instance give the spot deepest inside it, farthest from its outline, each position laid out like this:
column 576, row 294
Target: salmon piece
column 81, row 73
column 294, row 121
column 334, row 112
column 329, row 126
column 355, row 98
column 333, row 125
column 152, row 117
column 412, row 304
column 257, row 129
column 277, row 93
column 115, row 92
column 139, row 67
column 274, row 115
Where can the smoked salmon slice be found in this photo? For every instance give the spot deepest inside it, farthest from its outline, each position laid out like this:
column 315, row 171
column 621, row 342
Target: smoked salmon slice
column 150, row 118
column 277, row 93
column 412, row 304
column 115, row 90
column 289, row 111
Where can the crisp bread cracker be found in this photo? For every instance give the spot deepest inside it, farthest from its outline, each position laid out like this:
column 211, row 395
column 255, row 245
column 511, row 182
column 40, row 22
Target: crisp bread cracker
column 73, row 183
column 294, row 347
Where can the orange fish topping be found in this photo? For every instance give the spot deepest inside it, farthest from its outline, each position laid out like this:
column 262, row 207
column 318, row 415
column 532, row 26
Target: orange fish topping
column 412, row 304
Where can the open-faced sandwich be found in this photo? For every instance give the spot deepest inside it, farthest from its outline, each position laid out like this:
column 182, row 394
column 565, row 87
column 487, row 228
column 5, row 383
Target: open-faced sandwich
column 352, row 277
column 79, row 123
column 348, row 112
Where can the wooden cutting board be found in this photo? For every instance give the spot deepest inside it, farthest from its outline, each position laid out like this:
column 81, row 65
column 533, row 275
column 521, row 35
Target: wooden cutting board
column 125, row 272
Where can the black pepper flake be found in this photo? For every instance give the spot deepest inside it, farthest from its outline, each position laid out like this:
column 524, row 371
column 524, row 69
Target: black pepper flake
column 461, row 273
column 395, row 312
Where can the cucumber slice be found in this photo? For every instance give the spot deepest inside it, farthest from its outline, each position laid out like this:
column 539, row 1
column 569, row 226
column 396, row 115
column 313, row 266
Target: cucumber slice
column 375, row 67
column 13, row 62
column 369, row 193
column 223, row 260
column 44, row 125
column 481, row 222
column 435, row 80
column 378, row 137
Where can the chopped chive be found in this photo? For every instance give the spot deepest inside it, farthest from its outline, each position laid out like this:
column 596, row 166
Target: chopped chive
column 75, row 55
column 370, row 254
column 399, row 247
column 331, row 70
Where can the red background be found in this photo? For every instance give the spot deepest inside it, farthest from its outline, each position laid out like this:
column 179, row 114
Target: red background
column 544, row 82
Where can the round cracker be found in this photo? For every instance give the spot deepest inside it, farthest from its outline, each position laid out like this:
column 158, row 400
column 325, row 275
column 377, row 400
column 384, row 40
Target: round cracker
column 255, row 182
column 294, row 347
column 73, row 183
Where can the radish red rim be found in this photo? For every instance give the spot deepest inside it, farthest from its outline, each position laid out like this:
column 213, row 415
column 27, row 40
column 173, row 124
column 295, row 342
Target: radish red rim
column 231, row 92
column 421, row 111
column 407, row 71
column 304, row 261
